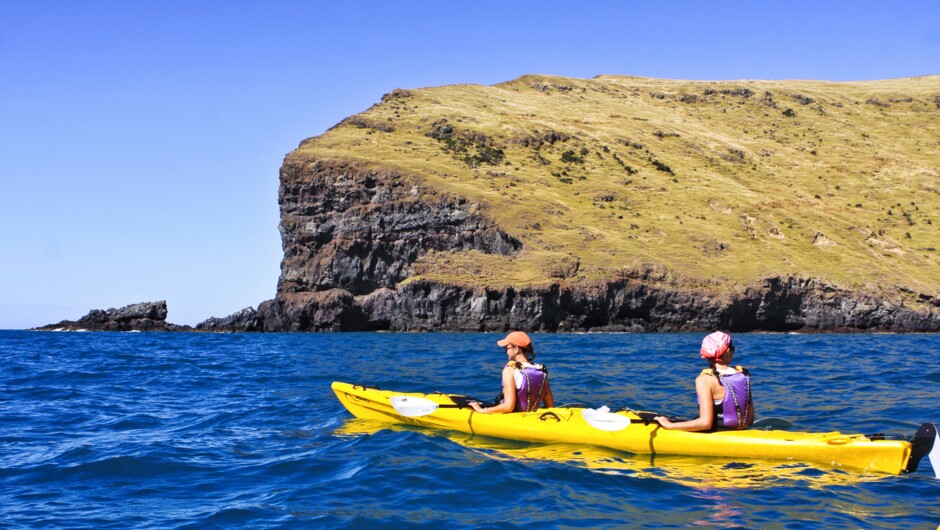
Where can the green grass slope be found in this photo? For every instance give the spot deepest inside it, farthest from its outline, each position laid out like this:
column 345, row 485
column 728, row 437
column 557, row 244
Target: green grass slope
column 712, row 184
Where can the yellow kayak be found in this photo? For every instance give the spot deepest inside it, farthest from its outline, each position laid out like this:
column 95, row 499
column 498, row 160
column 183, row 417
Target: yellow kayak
column 634, row 432
column 698, row 472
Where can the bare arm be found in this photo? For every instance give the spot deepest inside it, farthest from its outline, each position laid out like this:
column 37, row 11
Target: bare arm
column 750, row 408
column 704, row 388
column 549, row 399
column 509, row 395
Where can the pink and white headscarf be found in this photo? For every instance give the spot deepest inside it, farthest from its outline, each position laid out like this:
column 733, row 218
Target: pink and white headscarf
column 715, row 345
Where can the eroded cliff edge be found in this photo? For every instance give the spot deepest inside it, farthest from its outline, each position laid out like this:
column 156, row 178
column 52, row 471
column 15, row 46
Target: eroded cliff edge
column 352, row 236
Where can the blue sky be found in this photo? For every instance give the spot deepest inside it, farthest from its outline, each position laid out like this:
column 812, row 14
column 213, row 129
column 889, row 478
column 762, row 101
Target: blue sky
column 140, row 141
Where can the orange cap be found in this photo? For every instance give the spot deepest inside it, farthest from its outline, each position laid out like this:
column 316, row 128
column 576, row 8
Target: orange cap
column 516, row 338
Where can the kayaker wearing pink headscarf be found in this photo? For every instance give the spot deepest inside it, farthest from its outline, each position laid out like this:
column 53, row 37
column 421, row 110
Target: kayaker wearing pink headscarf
column 724, row 392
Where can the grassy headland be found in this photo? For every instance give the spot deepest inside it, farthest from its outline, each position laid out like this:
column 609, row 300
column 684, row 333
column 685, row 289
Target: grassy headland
column 707, row 184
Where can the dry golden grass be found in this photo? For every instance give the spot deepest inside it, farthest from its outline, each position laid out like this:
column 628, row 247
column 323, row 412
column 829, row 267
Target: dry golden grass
column 837, row 181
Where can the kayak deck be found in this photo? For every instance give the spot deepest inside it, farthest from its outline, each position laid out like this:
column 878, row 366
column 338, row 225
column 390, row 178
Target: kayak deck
column 638, row 435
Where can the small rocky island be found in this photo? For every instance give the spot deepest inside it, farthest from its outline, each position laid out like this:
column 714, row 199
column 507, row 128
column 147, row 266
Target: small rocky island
column 145, row 316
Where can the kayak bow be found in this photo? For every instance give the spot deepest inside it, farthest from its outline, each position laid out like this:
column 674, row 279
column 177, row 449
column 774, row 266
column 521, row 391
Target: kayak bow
column 633, row 432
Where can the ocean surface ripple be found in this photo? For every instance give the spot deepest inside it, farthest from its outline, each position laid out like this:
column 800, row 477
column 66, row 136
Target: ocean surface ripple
column 164, row 430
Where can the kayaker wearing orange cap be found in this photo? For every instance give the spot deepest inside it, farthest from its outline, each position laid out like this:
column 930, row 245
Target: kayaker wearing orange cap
column 724, row 393
column 525, row 385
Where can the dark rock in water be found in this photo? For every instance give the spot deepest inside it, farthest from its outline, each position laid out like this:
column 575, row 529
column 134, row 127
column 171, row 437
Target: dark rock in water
column 145, row 316
column 247, row 319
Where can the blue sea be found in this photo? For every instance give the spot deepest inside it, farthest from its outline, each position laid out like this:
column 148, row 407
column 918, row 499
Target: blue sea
column 191, row 430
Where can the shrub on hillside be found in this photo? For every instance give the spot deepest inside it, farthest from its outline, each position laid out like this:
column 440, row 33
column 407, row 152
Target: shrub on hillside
column 803, row 100
column 630, row 143
column 629, row 170
column 442, row 130
column 662, row 167
column 743, row 92
column 485, row 155
column 570, row 156
column 768, row 100
column 473, row 149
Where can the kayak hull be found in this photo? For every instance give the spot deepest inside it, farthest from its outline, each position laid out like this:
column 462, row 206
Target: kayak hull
column 568, row 425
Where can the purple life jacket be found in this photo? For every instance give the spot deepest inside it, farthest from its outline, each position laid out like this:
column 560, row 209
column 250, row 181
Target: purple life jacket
column 735, row 409
column 530, row 393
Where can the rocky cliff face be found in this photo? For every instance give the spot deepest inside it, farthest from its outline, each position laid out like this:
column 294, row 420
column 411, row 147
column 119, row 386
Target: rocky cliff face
column 351, row 235
column 344, row 227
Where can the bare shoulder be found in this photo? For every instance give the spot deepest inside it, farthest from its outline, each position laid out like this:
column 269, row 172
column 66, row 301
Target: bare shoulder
column 705, row 379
